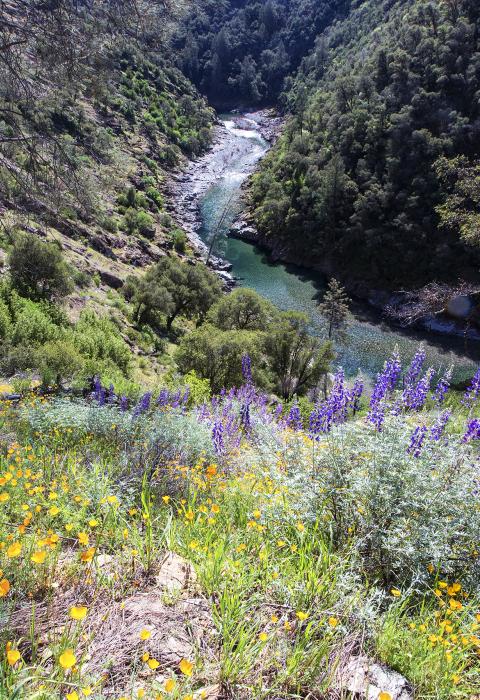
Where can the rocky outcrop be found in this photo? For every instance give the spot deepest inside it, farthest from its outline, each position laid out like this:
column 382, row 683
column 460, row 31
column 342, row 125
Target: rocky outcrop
column 365, row 679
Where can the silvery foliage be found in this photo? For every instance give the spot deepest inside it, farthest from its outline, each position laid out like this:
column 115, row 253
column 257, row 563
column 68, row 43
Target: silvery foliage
column 400, row 513
column 155, row 438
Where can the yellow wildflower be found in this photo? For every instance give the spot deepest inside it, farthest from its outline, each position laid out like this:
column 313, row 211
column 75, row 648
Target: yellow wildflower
column 67, row 659
column 38, row 557
column 186, row 667
column 14, row 550
column 13, row 655
column 78, row 612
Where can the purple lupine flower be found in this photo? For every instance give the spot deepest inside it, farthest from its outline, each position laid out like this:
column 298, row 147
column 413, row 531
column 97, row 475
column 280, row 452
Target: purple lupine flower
column 376, row 414
column 473, row 431
column 473, row 391
column 416, row 440
column 438, row 428
column 415, row 395
column 245, row 417
column 247, row 368
column 415, row 368
column 175, row 399
column 393, row 368
column 353, row 399
column 320, row 420
column 217, row 437
column 231, row 430
column 97, row 386
column 442, row 387
column 277, row 414
column 186, row 396
column 203, row 413
column 143, row 405
column 111, row 394
column 294, row 419
column 338, row 398
column 123, row 403
column 163, row 397
column 386, row 382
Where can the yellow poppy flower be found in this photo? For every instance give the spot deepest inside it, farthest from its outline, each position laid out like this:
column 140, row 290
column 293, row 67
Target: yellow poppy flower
column 170, row 685
column 78, row 612
column 87, row 555
column 4, row 587
column 145, row 634
column 38, row 557
column 83, row 538
column 67, row 659
column 13, row 655
column 186, row 667
column 14, row 550
column 153, row 664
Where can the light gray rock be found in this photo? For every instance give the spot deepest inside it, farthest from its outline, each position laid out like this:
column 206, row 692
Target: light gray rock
column 368, row 680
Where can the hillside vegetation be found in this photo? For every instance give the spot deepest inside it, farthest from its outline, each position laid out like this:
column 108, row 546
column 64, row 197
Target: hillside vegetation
column 185, row 547
column 240, row 53
column 376, row 173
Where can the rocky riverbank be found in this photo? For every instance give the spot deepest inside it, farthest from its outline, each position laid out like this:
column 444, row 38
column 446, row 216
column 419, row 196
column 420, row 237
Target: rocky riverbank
column 186, row 188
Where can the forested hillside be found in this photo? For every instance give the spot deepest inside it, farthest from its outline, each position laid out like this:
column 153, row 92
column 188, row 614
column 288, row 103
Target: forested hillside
column 93, row 116
column 376, row 174
column 240, row 52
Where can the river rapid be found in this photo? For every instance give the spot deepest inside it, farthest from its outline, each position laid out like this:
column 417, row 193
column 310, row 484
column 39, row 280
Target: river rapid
column 208, row 200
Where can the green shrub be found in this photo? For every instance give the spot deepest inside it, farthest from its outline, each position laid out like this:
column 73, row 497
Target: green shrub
column 37, row 269
column 97, row 338
column 5, row 321
column 33, row 326
column 58, row 360
column 179, row 241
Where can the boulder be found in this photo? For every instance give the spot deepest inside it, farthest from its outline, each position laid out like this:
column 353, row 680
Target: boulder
column 176, row 574
column 367, row 680
column 460, row 306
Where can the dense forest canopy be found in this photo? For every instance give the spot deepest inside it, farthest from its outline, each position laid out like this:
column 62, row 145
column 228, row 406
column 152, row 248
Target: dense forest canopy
column 240, row 52
column 377, row 172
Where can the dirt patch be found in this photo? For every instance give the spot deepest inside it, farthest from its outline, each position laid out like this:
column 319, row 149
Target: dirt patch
column 177, row 617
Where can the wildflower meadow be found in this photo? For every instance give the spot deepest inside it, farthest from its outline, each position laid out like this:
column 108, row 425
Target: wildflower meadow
column 178, row 548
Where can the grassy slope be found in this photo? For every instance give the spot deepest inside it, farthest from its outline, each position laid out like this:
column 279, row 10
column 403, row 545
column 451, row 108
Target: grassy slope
column 278, row 607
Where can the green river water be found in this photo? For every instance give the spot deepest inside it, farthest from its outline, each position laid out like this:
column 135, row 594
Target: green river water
column 370, row 340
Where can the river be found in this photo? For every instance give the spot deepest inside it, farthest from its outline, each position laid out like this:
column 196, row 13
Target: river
column 214, row 184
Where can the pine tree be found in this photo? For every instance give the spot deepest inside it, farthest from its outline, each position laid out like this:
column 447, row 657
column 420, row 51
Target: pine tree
column 334, row 308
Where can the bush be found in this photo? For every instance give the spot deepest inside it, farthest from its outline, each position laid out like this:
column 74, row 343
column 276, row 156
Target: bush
column 5, row 321
column 37, row 269
column 58, row 360
column 179, row 241
column 217, row 355
column 139, row 222
column 404, row 515
column 99, row 339
column 33, row 326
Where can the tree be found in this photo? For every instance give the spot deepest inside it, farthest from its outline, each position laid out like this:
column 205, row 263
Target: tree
column 37, row 269
column 171, row 288
column 242, row 310
column 334, row 309
column 296, row 358
column 217, row 355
